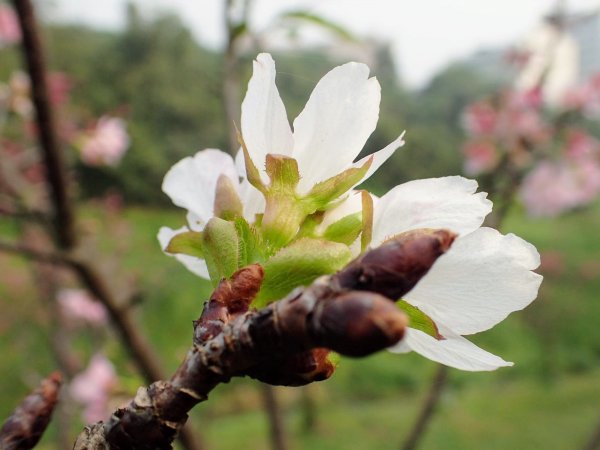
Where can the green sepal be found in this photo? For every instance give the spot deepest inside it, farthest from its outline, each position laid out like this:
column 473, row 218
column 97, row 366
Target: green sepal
column 345, row 230
column 331, row 189
column 419, row 320
column 249, row 243
column 227, row 204
column 221, row 249
column 283, row 173
column 252, row 173
column 367, row 220
column 299, row 264
column 186, row 243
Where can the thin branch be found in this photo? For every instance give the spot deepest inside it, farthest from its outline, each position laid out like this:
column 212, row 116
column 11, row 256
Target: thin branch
column 64, row 218
column 277, row 427
column 593, row 442
column 350, row 312
column 27, row 423
column 34, row 57
column 44, row 256
column 428, row 408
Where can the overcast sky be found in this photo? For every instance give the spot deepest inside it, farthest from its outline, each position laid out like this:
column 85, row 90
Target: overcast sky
column 426, row 34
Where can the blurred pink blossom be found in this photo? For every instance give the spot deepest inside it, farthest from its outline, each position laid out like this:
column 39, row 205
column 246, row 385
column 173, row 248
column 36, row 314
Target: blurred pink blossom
column 480, row 156
column 106, row 143
column 552, row 263
column 59, row 87
column 554, row 187
column 584, row 98
column 10, row 32
column 526, row 98
column 76, row 304
column 93, row 386
column 581, row 145
column 480, row 119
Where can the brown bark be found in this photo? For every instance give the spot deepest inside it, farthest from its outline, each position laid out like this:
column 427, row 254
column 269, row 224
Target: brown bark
column 340, row 312
column 53, row 159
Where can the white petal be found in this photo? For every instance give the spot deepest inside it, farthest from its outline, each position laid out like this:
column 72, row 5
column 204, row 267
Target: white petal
column 240, row 164
column 252, row 199
column 379, row 157
column 339, row 117
column 191, row 183
column 482, row 279
column 265, row 126
column 195, row 265
column 449, row 202
column 350, row 205
column 454, row 351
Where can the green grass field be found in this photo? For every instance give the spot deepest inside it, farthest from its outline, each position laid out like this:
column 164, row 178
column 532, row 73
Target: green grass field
column 549, row 400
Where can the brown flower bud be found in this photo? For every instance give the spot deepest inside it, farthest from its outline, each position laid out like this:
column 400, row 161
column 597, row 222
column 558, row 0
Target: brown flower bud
column 398, row 264
column 357, row 323
column 25, row 426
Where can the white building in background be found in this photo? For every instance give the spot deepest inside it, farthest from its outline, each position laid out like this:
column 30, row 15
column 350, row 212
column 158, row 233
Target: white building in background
column 552, row 60
column 585, row 30
column 564, row 50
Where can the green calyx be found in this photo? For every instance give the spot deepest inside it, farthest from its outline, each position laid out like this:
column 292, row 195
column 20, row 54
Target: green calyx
column 419, row 320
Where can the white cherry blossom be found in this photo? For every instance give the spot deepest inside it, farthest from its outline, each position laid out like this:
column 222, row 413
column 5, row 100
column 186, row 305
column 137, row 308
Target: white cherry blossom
column 328, row 135
column 482, row 278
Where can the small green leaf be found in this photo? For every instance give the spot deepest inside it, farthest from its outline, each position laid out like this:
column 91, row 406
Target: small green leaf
column 331, row 189
column 419, row 320
column 249, row 245
column 221, row 250
column 299, row 264
column 345, row 230
column 339, row 30
column 187, row 243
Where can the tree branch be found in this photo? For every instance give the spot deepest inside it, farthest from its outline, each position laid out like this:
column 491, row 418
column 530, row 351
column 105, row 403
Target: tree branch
column 57, row 179
column 351, row 312
column 25, row 426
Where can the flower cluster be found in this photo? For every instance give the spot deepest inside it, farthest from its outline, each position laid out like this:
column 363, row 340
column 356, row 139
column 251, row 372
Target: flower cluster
column 558, row 161
column 288, row 201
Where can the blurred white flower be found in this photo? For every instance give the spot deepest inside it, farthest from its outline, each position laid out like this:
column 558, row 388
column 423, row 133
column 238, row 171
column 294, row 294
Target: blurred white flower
column 106, row 143
column 93, row 386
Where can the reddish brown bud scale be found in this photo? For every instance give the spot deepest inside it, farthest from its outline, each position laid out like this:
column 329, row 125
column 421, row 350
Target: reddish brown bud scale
column 24, row 428
column 299, row 369
column 231, row 298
